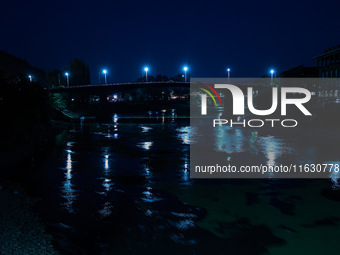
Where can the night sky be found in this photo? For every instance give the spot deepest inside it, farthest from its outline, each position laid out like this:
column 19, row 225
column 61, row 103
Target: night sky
column 250, row 37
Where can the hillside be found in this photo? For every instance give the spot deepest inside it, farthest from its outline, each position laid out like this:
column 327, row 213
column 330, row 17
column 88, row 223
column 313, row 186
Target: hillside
column 13, row 67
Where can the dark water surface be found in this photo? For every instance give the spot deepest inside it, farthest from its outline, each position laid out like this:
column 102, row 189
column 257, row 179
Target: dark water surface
column 124, row 188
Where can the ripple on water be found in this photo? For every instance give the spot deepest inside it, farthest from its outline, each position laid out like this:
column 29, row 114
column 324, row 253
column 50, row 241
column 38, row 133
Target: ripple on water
column 145, row 129
column 184, row 134
column 184, row 215
column 145, row 145
column 179, row 238
column 106, row 211
column 150, row 197
column 184, row 224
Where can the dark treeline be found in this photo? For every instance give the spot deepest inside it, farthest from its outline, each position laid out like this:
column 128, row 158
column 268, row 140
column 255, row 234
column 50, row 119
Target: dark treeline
column 23, row 103
column 29, row 120
column 160, row 77
column 79, row 74
column 15, row 69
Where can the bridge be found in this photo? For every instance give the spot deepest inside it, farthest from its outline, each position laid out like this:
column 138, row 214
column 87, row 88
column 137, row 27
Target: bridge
column 325, row 91
column 103, row 99
column 113, row 87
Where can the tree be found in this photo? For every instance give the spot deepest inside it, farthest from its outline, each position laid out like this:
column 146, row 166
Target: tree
column 53, row 78
column 142, row 79
column 160, row 77
column 178, row 77
column 79, row 73
column 59, row 101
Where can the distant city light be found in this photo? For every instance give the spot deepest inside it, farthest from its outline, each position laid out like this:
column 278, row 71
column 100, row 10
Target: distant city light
column 30, row 77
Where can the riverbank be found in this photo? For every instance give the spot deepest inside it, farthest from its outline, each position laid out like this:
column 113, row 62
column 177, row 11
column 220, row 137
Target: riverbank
column 21, row 230
column 20, row 143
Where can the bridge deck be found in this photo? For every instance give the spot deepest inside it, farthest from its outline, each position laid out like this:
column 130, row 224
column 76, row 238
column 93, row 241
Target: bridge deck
column 127, row 85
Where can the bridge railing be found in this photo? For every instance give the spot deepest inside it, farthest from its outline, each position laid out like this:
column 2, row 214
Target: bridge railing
column 119, row 84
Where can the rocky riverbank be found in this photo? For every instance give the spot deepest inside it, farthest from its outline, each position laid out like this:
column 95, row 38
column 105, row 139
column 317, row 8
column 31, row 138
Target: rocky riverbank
column 20, row 143
column 21, row 230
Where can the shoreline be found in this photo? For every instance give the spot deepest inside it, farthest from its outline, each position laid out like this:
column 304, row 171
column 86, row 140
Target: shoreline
column 26, row 144
column 21, row 229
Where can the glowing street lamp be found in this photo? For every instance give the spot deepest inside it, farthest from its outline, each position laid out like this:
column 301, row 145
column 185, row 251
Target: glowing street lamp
column 68, row 80
column 146, row 73
column 105, row 72
column 228, row 70
column 272, row 71
column 185, row 73
column 30, row 77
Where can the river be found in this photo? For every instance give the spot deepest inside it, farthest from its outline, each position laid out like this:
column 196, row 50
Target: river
column 124, row 187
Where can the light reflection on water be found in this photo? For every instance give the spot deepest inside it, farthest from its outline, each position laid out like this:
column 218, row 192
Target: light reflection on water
column 145, row 129
column 68, row 191
column 271, row 148
column 229, row 140
column 335, row 174
column 248, row 146
column 106, row 211
column 145, row 145
column 148, row 173
column 107, row 184
column 106, row 162
column 149, row 196
column 115, row 118
column 184, row 134
column 185, row 224
column 186, row 172
column 111, row 158
column 233, row 141
column 109, row 134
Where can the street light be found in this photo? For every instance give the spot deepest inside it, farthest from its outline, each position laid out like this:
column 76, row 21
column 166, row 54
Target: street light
column 146, row 73
column 228, row 70
column 68, row 81
column 105, row 72
column 272, row 71
column 185, row 73
column 30, row 77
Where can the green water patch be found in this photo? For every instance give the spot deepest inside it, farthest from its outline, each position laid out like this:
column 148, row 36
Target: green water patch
column 294, row 215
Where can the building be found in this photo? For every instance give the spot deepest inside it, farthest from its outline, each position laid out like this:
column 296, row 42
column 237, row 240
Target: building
column 329, row 63
column 300, row 72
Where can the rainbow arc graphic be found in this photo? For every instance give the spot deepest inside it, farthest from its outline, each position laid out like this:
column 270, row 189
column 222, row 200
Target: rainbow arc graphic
column 211, row 95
